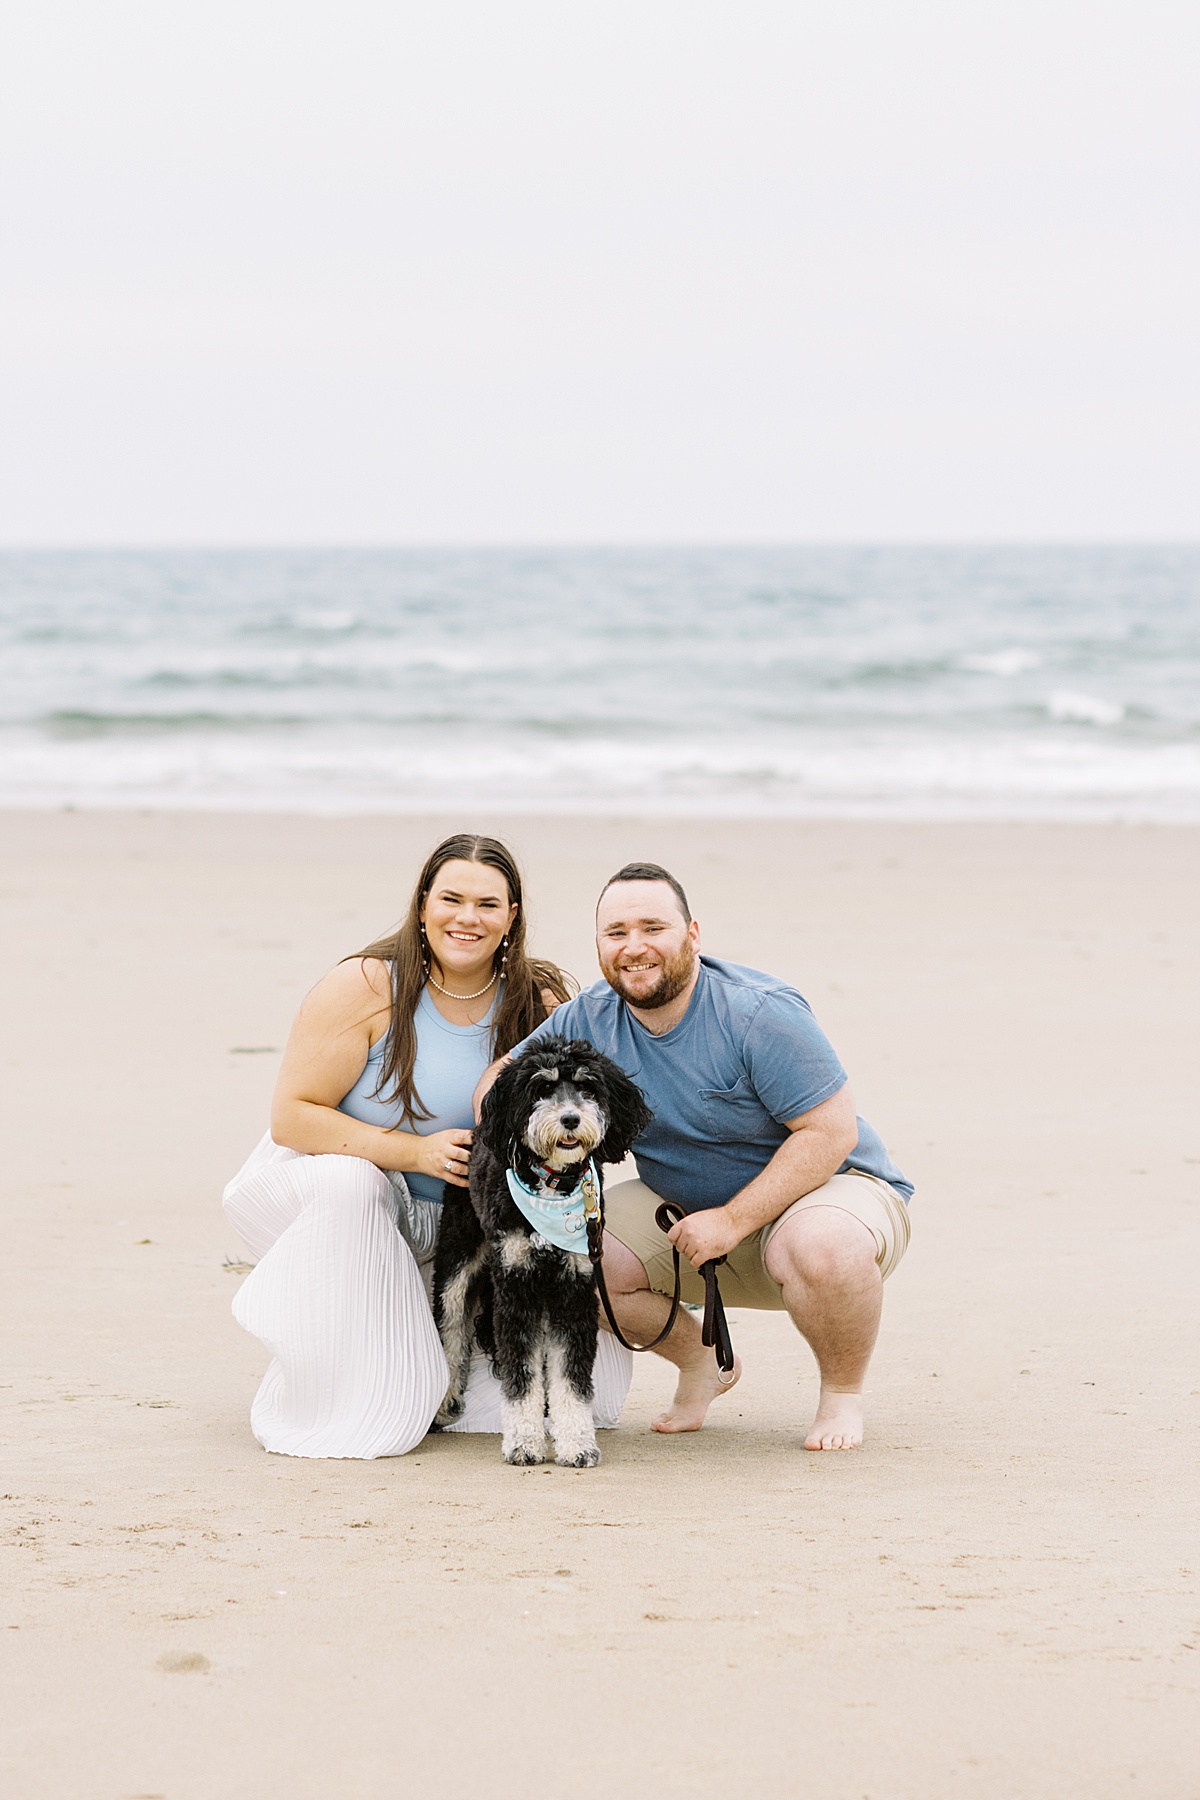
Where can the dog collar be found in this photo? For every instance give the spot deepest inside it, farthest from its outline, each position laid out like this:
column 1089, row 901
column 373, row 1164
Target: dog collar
column 561, row 1219
column 554, row 1178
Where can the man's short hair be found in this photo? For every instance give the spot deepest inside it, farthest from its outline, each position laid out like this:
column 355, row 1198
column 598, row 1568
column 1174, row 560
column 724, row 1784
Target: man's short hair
column 646, row 871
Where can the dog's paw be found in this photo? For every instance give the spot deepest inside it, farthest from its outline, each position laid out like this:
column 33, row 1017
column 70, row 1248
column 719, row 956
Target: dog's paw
column 523, row 1455
column 579, row 1459
column 446, row 1414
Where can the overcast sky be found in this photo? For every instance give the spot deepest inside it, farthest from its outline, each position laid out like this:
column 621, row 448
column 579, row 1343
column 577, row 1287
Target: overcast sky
column 629, row 271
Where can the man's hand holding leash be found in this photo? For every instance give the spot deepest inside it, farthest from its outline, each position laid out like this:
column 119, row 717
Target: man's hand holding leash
column 704, row 1236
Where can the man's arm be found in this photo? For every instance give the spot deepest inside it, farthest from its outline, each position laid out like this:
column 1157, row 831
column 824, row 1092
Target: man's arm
column 818, row 1145
column 486, row 1082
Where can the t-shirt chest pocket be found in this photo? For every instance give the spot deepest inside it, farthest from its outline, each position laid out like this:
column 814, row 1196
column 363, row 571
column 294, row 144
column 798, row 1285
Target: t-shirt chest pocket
column 732, row 1114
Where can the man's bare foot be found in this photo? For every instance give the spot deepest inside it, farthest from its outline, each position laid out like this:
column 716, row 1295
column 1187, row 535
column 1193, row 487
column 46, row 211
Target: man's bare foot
column 838, row 1424
column 699, row 1385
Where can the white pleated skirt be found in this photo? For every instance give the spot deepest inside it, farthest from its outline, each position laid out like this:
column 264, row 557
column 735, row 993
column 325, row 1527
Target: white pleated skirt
column 342, row 1307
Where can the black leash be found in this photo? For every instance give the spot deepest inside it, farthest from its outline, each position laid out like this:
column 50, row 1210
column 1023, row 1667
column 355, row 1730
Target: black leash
column 714, row 1332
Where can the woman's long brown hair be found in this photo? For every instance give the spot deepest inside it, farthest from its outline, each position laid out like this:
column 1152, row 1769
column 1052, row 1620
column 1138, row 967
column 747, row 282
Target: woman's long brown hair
column 521, row 1007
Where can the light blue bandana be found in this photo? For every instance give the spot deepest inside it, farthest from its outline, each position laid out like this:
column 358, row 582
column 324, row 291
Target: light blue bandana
column 560, row 1219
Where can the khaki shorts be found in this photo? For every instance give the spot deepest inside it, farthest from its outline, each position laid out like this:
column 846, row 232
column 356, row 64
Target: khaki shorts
column 629, row 1210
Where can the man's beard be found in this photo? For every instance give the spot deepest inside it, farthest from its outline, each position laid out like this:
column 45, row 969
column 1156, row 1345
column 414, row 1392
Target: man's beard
column 675, row 973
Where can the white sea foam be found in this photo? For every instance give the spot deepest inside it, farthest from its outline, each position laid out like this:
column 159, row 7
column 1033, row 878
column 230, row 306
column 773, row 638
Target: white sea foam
column 330, row 620
column 1083, row 709
column 1002, row 662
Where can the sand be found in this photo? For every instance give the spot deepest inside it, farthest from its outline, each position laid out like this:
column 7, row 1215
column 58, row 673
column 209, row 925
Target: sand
column 996, row 1598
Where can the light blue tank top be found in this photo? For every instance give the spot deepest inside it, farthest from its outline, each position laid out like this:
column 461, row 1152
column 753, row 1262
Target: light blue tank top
column 450, row 1060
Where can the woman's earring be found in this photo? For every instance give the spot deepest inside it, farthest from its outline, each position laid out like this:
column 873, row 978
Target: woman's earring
column 504, row 953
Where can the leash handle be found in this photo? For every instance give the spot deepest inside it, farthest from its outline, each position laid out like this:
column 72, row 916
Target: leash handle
column 714, row 1333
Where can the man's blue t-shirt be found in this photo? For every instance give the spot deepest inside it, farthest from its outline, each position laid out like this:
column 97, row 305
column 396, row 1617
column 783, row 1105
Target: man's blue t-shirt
column 746, row 1057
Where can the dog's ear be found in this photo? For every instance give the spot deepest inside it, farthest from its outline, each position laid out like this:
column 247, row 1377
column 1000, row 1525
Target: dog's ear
column 497, row 1112
column 628, row 1114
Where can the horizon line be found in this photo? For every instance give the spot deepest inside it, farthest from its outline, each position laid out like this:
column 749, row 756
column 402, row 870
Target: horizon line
column 586, row 545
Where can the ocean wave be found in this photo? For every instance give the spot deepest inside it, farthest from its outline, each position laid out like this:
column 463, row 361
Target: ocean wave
column 1046, row 777
column 283, row 677
column 113, row 724
column 868, row 675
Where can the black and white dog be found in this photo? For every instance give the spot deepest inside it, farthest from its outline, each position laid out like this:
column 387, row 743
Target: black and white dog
column 512, row 1272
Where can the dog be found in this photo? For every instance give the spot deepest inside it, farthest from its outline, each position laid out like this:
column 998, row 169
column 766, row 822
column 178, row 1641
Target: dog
column 554, row 1116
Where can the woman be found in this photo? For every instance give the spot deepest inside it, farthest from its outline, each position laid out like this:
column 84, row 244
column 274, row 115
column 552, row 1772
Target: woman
column 371, row 1117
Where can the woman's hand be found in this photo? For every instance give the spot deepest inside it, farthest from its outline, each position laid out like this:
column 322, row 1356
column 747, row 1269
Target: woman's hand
column 444, row 1154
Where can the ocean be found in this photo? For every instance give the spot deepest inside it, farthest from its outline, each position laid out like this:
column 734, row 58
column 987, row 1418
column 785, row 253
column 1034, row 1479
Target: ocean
column 956, row 683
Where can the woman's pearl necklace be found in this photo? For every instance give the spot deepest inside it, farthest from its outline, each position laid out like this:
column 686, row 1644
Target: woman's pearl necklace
column 450, row 996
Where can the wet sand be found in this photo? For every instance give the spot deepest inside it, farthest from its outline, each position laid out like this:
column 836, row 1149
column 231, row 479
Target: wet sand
column 995, row 1598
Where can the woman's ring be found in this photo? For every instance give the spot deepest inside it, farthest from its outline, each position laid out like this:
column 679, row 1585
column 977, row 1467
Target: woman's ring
column 450, row 1166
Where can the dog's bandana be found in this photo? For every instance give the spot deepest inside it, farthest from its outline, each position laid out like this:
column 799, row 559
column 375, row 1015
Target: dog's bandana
column 561, row 1219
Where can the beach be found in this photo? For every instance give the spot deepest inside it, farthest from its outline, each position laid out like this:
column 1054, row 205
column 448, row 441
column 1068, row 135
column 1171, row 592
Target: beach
column 995, row 1598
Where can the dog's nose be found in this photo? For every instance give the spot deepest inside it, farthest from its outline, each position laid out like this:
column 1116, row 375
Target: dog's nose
column 569, row 1121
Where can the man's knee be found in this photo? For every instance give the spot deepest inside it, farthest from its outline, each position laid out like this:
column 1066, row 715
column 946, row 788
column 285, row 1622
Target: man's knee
column 823, row 1247
column 623, row 1273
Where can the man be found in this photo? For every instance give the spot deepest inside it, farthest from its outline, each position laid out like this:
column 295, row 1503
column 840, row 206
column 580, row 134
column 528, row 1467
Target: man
column 755, row 1136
